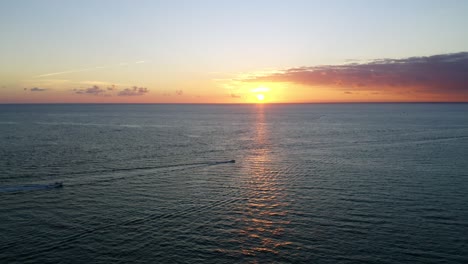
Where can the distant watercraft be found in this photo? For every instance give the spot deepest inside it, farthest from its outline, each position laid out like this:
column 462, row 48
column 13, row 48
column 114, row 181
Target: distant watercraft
column 31, row 187
column 56, row 185
column 228, row 161
column 222, row 162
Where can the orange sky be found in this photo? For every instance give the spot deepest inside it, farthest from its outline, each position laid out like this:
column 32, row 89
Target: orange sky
column 223, row 52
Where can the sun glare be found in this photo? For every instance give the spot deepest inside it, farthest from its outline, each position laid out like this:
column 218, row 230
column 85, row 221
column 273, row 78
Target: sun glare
column 261, row 94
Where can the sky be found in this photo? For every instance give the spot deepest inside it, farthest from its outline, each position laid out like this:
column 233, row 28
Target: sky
column 233, row 51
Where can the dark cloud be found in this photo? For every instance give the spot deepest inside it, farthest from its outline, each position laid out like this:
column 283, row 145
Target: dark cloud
column 95, row 90
column 179, row 92
column 35, row 89
column 134, row 91
column 111, row 90
column 446, row 73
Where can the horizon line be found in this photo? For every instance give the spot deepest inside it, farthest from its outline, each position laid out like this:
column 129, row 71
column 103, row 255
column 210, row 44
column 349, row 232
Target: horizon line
column 294, row 103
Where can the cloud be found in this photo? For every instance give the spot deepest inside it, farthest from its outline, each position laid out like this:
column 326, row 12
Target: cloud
column 36, row 89
column 134, row 91
column 179, row 92
column 260, row 90
column 445, row 73
column 94, row 90
column 111, row 91
column 235, row 95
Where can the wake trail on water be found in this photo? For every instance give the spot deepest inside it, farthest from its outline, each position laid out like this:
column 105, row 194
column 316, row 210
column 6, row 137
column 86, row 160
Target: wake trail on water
column 37, row 187
column 110, row 169
column 116, row 178
column 47, row 247
column 174, row 165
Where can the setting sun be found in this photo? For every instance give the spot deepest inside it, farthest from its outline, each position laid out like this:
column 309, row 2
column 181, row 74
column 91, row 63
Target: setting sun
column 260, row 97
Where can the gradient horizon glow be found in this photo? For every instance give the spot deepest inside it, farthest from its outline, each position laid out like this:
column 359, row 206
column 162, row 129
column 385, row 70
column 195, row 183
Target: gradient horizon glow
column 233, row 52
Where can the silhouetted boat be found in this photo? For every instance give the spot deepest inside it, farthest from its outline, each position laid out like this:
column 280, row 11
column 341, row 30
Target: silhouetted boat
column 55, row 185
column 222, row 162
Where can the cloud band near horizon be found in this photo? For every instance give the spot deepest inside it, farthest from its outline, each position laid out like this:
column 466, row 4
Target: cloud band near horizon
column 438, row 74
column 96, row 90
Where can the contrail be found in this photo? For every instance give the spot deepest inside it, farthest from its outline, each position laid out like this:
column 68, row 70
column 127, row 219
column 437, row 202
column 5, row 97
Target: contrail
column 71, row 71
column 86, row 69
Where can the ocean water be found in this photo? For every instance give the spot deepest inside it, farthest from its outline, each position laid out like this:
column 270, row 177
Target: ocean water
column 324, row 183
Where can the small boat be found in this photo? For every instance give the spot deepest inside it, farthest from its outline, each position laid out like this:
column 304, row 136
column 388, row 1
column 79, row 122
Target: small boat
column 221, row 162
column 228, row 161
column 56, row 185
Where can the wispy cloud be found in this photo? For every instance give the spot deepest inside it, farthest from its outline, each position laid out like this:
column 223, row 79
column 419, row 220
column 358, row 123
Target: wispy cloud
column 445, row 73
column 95, row 90
column 179, row 92
column 36, row 89
column 111, row 90
column 134, row 91
column 260, row 90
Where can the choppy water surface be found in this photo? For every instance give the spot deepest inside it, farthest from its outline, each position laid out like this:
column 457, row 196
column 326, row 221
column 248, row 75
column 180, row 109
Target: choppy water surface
column 348, row 183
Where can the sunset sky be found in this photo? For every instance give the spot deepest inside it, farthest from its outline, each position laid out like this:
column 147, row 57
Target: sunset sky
column 233, row 51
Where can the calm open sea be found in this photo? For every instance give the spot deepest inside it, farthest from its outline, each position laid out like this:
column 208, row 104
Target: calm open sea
column 324, row 183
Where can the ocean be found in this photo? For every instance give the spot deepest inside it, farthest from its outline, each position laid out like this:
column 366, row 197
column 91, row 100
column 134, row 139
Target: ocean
column 311, row 183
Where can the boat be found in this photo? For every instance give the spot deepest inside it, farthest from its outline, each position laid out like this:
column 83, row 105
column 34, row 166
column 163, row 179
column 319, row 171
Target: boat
column 228, row 161
column 55, row 185
column 221, row 162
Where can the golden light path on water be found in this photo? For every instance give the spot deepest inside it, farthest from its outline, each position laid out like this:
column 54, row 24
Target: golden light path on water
column 263, row 222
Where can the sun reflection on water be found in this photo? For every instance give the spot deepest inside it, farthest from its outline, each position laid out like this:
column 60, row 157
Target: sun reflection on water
column 264, row 215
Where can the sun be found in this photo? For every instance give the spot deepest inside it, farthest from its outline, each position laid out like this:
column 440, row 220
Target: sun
column 260, row 97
